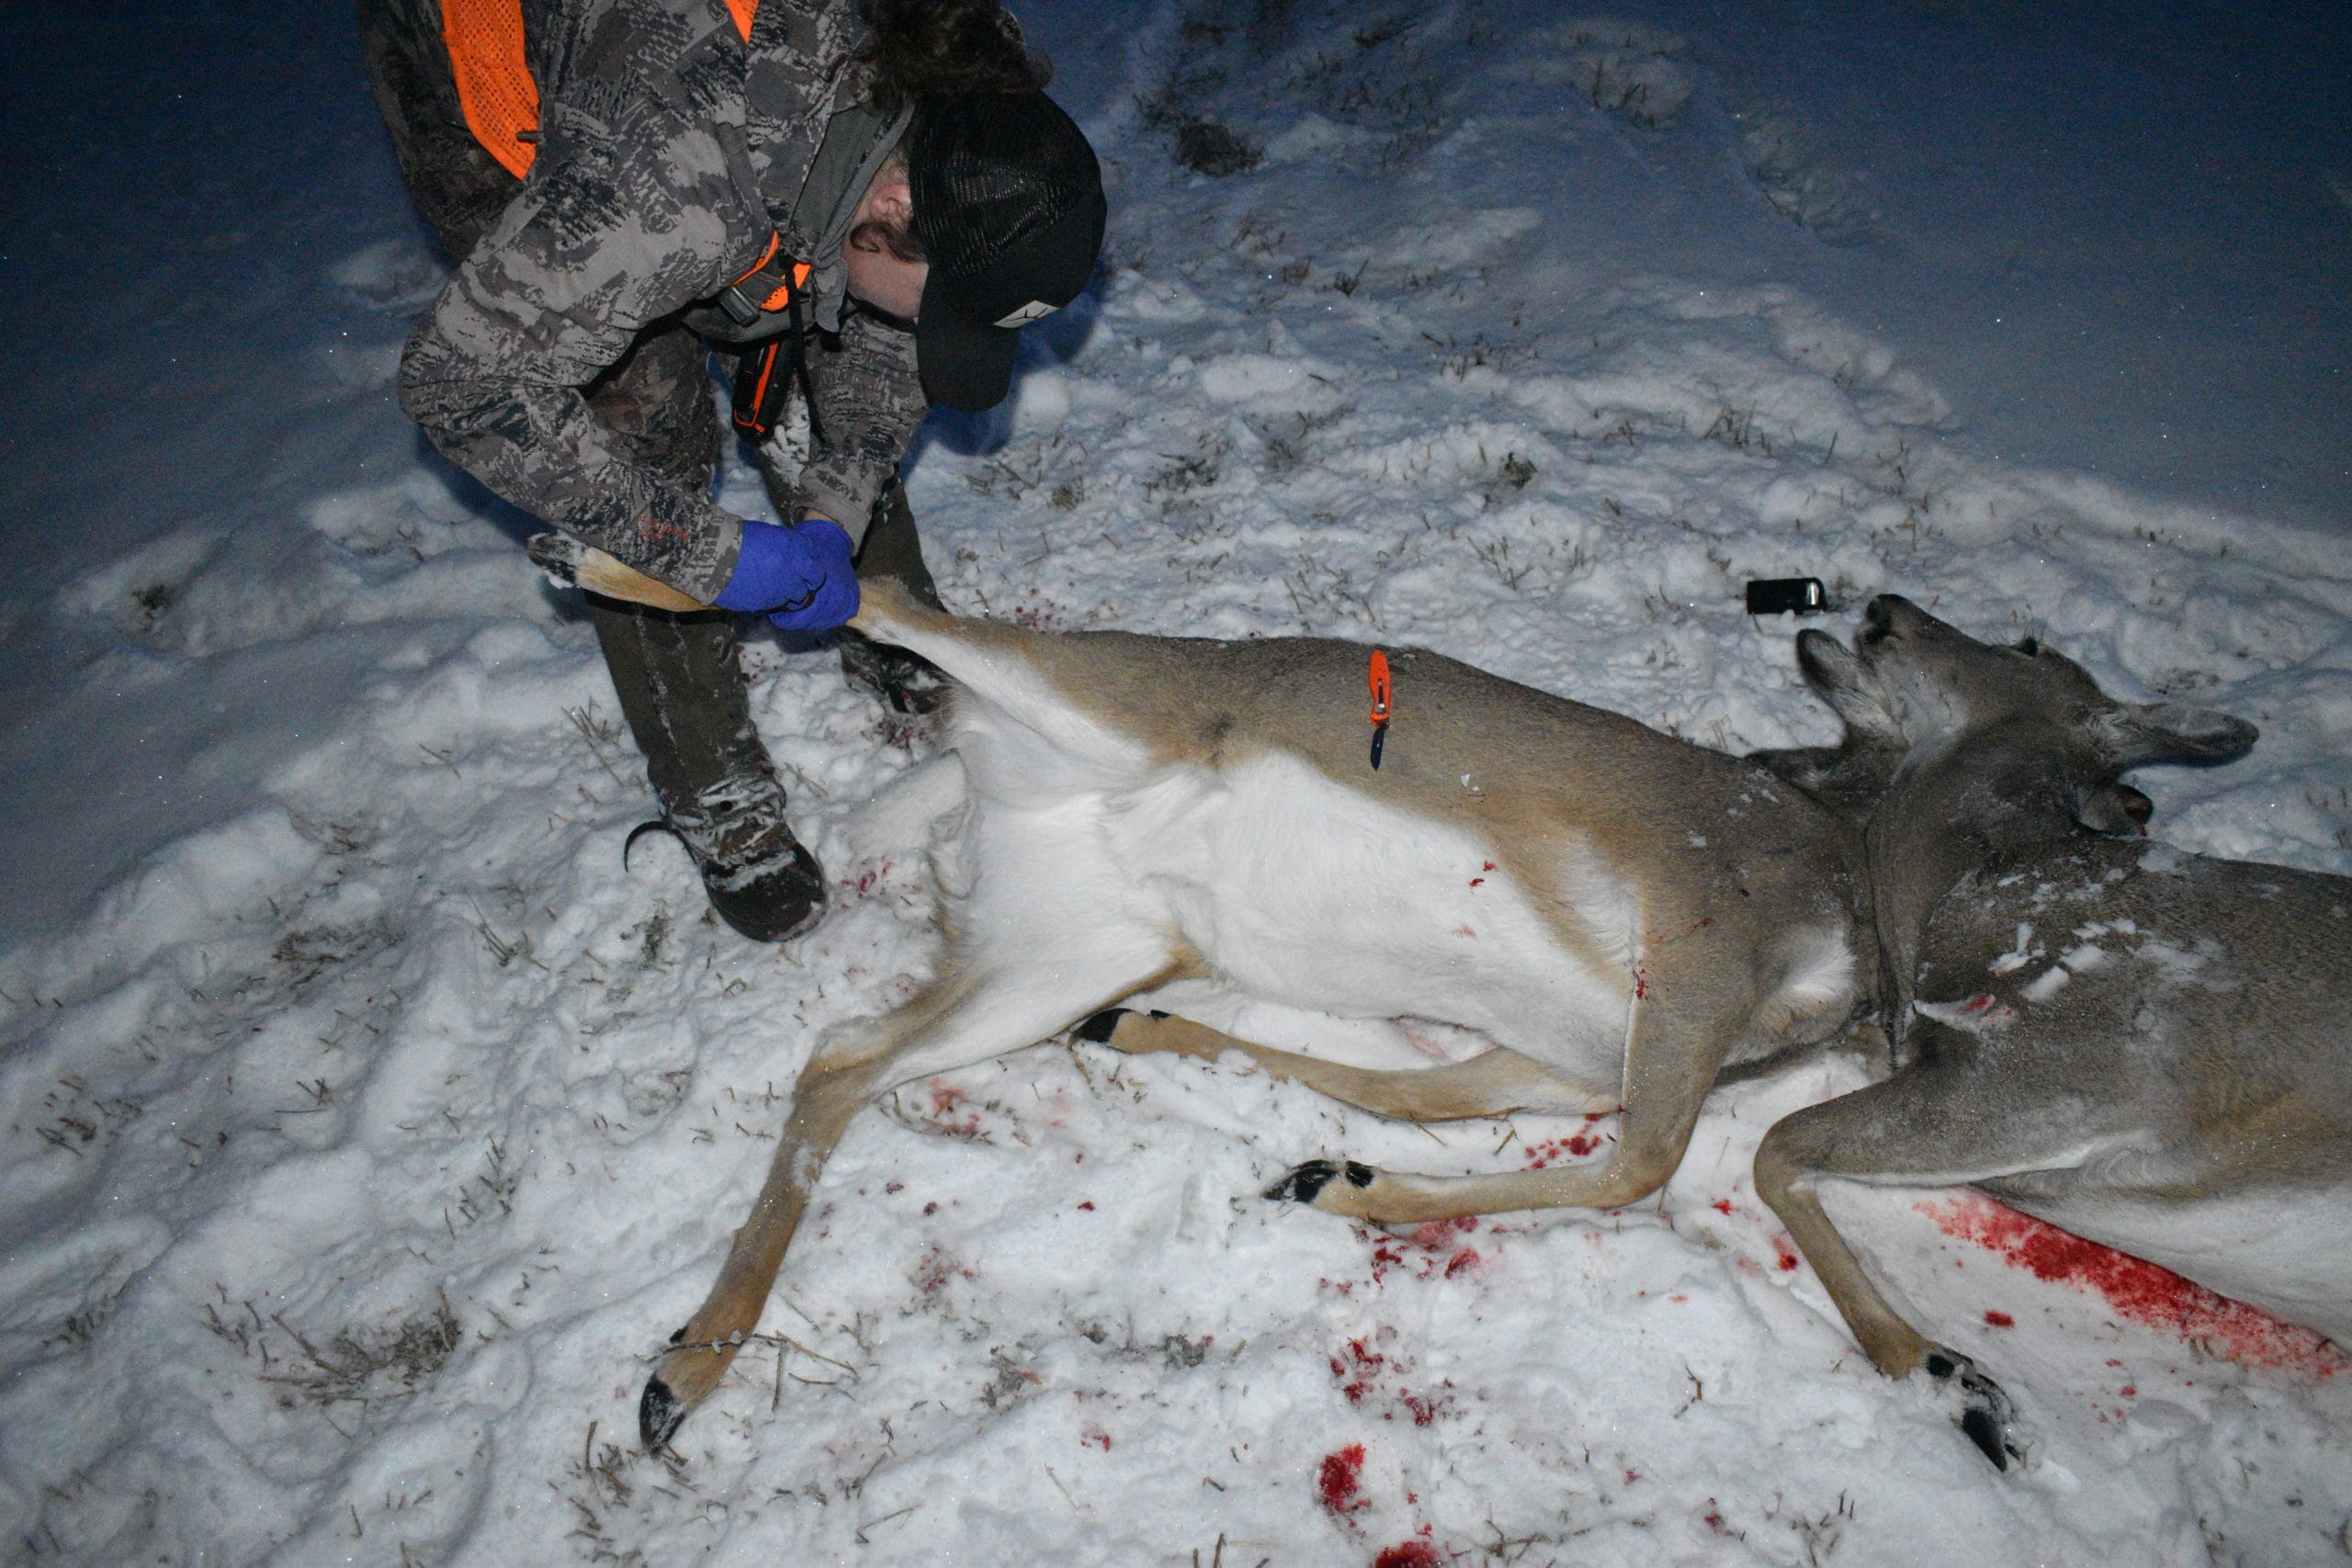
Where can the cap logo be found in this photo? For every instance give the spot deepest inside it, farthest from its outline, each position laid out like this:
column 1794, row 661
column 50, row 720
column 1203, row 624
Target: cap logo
column 1036, row 310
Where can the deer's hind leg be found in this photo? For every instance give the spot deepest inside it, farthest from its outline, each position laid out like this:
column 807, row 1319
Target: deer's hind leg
column 960, row 1020
column 1494, row 1083
column 1677, row 1042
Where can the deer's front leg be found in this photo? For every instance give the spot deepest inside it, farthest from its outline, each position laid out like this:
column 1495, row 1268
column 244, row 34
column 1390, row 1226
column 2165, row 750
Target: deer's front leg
column 1942, row 1123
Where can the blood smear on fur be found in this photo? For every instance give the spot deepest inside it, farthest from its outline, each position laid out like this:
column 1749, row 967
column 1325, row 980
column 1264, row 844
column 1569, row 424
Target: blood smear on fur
column 2138, row 1290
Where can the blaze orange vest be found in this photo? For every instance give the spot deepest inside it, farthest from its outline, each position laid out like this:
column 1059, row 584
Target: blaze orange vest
column 501, row 103
column 494, row 87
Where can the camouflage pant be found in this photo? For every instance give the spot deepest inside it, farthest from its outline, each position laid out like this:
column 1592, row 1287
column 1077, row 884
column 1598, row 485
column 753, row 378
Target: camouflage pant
column 679, row 682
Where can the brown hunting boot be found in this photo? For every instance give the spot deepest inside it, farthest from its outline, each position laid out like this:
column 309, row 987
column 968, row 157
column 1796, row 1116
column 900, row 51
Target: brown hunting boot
column 681, row 688
column 762, row 880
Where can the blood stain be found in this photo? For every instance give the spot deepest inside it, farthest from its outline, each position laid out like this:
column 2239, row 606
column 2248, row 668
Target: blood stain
column 1339, row 1480
column 1423, row 1408
column 2143, row 1292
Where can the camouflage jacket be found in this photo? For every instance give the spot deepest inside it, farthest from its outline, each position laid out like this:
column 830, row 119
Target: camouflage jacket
column 670, row 150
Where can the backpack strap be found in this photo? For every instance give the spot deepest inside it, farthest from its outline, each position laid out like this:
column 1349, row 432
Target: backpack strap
column 765, row 376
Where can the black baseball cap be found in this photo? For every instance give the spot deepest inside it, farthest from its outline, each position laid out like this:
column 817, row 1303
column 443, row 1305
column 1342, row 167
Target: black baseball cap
column 1008, row 203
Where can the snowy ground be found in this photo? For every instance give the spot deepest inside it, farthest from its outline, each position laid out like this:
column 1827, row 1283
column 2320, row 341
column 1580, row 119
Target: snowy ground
column 364, row 1127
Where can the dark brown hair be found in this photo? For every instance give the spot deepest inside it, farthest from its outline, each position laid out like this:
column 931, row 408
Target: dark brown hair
column 936, row 49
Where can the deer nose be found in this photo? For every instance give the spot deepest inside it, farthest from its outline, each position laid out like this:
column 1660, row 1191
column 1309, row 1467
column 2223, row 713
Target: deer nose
column 1877, row 622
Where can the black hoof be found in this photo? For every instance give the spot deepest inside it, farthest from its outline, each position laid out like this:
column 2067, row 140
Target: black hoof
column 907, row 681
column 558, row 555
column 1305, row 1182
column 658, row 1416
column 1986, row 1417
column 1096, row 1031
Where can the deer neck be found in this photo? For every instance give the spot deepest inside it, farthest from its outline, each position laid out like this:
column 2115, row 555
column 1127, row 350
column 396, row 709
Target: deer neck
column 1953, row 809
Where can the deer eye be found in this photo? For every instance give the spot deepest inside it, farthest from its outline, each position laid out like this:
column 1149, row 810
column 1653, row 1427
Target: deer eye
column 2028, row 645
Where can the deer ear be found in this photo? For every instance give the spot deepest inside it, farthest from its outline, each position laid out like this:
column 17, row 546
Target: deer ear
column 2116, row 809
column 1841, row 680
column 2157, row 732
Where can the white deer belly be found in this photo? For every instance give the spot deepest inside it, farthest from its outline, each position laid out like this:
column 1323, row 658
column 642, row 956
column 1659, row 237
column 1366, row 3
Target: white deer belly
column 1305, row 893
column 2285, row 1250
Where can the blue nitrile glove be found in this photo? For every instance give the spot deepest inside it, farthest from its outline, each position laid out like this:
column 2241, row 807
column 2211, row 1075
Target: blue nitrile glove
column 799, row 573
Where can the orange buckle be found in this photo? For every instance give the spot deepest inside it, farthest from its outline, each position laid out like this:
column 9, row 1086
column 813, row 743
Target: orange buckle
column 1379, row 677
column 766, row 286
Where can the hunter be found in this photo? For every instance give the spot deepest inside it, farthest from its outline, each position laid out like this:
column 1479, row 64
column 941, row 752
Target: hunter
column 864, row 204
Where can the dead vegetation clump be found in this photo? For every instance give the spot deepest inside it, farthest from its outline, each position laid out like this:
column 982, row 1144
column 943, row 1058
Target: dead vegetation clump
column 79, row 1117
column 308, row 954
column 153, row 602
column 1236, row 55
column 1203, row 145
column 1210, row 148
column 356, row 1367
